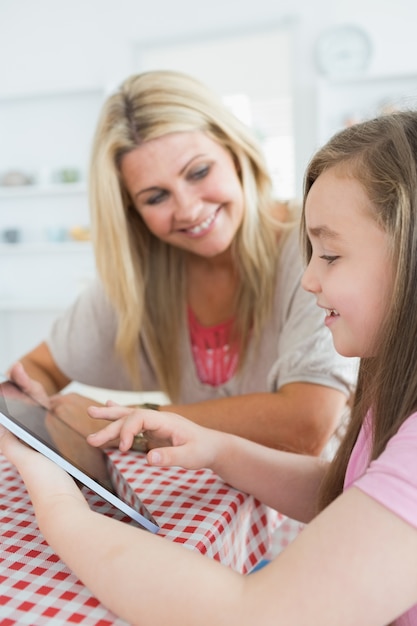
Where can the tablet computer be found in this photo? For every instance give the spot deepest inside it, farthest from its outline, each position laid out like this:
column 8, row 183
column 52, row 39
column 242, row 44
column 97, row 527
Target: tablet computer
column 41, row 429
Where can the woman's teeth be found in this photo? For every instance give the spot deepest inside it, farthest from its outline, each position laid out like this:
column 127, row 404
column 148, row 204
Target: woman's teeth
column 196, row 230
column 332, row 312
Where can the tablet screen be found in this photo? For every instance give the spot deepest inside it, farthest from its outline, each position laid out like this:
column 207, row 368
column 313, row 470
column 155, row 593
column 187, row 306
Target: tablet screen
column 45, row 432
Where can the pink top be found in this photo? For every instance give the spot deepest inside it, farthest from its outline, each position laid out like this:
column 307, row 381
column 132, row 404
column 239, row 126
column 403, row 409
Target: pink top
column 215, row 357
column 391, row 479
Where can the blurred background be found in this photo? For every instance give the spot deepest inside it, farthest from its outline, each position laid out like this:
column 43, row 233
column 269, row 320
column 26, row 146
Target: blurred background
column 295, row 72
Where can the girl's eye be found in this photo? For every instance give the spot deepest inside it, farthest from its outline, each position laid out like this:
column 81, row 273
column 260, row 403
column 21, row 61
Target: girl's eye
column 329, row 259
column 200, row 172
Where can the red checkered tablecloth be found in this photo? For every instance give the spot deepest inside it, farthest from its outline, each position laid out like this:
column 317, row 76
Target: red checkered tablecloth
column 194, row 508
column 198, row 509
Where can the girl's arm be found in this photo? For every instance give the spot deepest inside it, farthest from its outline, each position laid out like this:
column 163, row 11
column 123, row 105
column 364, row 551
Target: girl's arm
column 286, row 482
column 354, row 565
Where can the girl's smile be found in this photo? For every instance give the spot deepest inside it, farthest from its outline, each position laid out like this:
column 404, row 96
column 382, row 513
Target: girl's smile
column 331, row 314
column 350, row 270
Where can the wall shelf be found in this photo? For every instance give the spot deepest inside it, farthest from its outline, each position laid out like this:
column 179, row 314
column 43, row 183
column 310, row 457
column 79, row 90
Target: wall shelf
column 28, row 305
column 30, row 191
column 61, row 247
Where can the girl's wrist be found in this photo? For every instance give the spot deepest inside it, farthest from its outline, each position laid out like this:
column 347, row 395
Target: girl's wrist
column 223, row 446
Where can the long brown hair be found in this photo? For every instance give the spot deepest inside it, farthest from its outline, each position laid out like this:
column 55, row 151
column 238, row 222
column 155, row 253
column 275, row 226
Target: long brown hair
column 381, row 154
column 143, row 276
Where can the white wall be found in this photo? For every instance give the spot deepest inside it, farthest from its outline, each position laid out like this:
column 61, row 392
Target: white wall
column 46, row 45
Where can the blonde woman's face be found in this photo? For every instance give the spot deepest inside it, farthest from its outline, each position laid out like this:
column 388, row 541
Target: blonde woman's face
column 187, row 190
column 350, row 271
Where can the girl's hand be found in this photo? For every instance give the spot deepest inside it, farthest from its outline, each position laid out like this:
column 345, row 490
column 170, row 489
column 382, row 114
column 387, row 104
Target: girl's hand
column 54, row 494
column 185, row 444
column 44, row 479
column 13, row 449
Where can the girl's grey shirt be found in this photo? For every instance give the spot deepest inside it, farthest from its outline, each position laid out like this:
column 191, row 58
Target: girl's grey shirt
column 295, row 346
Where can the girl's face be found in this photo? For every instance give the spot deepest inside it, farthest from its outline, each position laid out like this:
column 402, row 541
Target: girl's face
column 350, row 271
column 187, row 190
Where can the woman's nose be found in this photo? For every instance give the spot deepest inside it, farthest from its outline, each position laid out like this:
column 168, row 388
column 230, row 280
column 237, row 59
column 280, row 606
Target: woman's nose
column 187, row 206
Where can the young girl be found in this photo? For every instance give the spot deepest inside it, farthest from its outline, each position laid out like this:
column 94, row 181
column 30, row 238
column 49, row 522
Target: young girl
column 355, row 562
column 199, row 290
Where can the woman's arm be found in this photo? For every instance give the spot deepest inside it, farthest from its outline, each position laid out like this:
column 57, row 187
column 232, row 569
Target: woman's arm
column 39, row 376
column 38, row 367
column 354, row 565
column 300, row 417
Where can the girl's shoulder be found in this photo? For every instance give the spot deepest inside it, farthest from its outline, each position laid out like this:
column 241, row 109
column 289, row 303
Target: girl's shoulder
column 391, row 478
column 407, row 432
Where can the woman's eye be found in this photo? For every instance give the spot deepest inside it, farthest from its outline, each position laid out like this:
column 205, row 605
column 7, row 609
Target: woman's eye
column 157, row 198
column 199, row 173
column 329, row 259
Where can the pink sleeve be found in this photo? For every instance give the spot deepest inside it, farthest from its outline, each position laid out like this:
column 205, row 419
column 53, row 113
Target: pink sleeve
column 391, row 479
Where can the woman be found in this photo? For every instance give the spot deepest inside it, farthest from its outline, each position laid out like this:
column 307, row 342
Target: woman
column 199, row 279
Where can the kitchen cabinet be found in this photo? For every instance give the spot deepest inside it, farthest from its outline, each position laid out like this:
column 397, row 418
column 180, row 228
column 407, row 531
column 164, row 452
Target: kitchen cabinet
column 341, row 103
column 42, row 267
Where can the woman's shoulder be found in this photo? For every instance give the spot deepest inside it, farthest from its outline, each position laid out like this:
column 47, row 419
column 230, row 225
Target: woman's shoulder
column 286, row 212
column 286, row 216
column 92, row 300
column 289, row 244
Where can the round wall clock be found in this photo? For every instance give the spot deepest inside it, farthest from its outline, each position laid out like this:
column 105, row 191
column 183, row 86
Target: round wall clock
column 343, row 51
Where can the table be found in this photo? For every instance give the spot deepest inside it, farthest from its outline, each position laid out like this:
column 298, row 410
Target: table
column 195, row 508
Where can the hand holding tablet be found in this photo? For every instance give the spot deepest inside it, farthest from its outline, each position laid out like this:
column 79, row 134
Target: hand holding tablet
column 45, row 432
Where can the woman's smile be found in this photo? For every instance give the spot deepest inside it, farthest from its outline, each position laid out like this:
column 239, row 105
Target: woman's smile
column 204, row 227
column 186, row 187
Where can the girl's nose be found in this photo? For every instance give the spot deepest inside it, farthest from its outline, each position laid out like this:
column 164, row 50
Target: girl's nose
column 309, row 280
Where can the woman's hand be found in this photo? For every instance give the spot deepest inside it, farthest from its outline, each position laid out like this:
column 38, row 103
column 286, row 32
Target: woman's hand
column 33, row 388
column 71, row 408
column 185, row 444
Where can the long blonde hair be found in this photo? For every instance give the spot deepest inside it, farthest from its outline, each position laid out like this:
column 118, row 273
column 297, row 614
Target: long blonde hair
column 143, row 276
column 382, row 155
